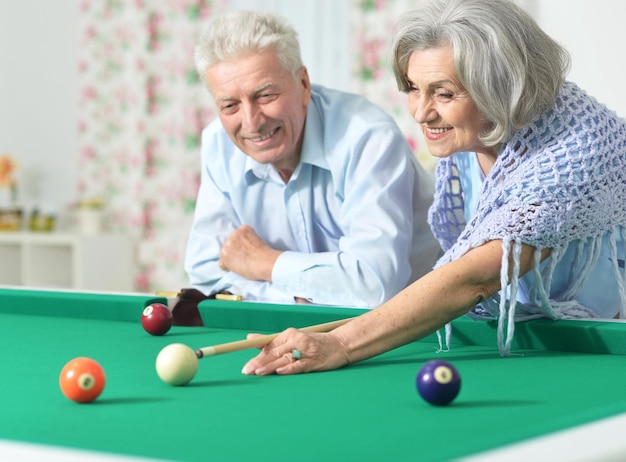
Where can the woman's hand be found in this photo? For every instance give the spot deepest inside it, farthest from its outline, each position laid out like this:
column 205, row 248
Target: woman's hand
column 318, row 352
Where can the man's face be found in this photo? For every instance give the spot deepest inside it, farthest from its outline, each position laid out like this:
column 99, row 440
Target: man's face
column 261, row 106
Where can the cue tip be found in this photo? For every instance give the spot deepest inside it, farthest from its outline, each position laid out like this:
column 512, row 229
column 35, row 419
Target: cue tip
column 206, row 351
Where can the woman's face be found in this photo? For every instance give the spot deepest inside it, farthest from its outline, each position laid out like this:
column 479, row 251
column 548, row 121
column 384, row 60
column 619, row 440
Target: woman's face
column 442, row 107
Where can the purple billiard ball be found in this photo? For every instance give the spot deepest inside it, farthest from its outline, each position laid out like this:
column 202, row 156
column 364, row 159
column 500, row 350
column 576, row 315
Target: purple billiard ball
column 156, row 319
column 438, row 382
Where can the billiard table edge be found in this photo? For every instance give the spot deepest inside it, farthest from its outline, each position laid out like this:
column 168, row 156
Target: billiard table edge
column 580, row 336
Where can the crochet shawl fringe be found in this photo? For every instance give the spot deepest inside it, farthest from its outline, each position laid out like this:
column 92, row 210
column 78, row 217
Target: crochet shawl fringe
column 559, row 180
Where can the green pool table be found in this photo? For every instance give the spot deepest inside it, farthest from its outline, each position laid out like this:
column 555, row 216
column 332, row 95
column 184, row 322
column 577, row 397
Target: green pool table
column 561, row 397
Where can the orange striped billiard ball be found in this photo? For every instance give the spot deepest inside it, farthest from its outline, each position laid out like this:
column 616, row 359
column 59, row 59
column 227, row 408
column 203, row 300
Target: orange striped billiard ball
column 82, row 380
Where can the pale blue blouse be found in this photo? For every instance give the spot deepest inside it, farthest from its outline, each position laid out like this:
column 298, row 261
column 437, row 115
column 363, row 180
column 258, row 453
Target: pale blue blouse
column 600, row 293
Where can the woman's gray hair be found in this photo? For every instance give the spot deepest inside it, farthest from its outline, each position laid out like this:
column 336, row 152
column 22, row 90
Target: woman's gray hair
column 243, row 32
column 511, row 68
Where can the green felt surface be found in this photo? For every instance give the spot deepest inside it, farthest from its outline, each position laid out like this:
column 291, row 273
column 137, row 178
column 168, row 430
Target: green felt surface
column 369, row 411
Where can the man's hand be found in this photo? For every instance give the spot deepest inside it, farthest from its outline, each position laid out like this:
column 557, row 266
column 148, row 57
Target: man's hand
column 246, row 254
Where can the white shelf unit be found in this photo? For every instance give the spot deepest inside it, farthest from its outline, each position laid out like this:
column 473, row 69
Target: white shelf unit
column 101, row 262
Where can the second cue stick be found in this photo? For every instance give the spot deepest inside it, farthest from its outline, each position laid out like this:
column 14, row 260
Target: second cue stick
column 262, row 340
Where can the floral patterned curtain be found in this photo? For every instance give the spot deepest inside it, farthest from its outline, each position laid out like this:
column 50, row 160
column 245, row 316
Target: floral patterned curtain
column 372, row 23
column 142, row 109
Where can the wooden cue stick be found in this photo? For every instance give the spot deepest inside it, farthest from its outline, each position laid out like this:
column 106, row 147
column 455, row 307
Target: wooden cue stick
column 231, row 297
column 262, row 340
column 167, row 294
column 170, row 294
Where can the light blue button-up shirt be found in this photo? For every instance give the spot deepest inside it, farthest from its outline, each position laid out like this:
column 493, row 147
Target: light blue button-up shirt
column 351, row 220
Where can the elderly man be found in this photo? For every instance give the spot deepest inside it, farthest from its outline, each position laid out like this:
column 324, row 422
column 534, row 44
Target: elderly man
column 308, row 194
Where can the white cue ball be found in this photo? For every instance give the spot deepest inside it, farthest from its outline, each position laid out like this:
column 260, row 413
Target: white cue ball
column 177, row 364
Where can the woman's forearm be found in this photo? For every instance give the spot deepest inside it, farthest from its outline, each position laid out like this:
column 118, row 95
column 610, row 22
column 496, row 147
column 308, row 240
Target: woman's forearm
column 425, row 306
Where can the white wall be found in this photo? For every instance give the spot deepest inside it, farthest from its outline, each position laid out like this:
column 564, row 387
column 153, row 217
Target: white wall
column 594, row 33
column 38, row 101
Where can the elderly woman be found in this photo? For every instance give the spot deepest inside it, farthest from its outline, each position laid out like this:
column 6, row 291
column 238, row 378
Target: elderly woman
column 530, row 202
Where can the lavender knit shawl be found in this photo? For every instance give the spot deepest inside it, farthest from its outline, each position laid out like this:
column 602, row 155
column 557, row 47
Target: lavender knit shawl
column 560, row 180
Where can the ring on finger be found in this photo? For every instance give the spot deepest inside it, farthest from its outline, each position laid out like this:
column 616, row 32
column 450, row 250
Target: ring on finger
column 296, row 354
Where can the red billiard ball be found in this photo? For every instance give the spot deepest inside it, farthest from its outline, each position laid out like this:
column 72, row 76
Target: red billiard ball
column 156, row 319
column 438, row 382
column 82, row 380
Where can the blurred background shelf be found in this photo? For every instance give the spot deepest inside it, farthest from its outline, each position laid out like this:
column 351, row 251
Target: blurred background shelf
column 67, row 260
